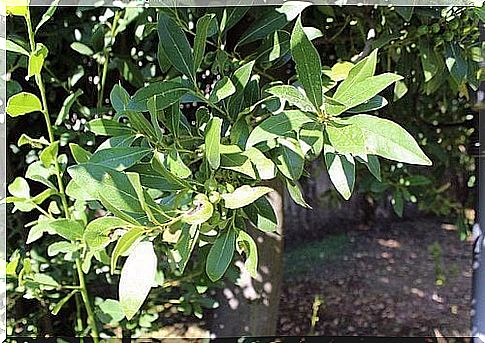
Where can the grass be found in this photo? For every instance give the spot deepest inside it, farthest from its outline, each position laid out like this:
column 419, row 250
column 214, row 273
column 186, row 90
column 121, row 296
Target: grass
column 308, row 257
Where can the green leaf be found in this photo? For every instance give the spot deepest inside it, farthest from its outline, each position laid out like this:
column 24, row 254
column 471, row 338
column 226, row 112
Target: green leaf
column 202, row 28
column 174, row 163
column 108, row 127
column 295, row 193
column 125, row 243
column 37, row 172
column 185, row 245
column 240, row 79
column 49, row 155
column 98, row 180
column 201, row 212
column 308, row 65
column 243, row 196
column 175, row 45
column 18, row 8
column 293, row 96
column 279, row 125
column 220, row 255
column 97, row 233
column 406, row 12
column 233, row 158
column 119, row 98
column 372, row 163
column 166, row 93
column 373, row 104
column 119, row 158
column 365, row 134
column 361, row 71
column 14, row 47
column 429, row 61
column 272, row 22
column 82, row 49
column 71, row 230
column 62, row 302
column 400, row 90
column 36, row 59
column 290, row 158
column 61, row 247
column 79, row 153
column 231, row 16
column 213, row 142
column 367, row 89
column 110, row 312
column 47, row 14
column 274, row 47
column 224, row 88
column 397, row 202
column 455, row 63
column 158, row 164
column 19, row 188
column 341, row 169
column 137, row 278
column 262, row 215
column 33, row 142
column 265, row 167
column 152, row 179
column 141, row 124
column 311, row 139
column 66, row 106
column 23, row 103
column 246, row 243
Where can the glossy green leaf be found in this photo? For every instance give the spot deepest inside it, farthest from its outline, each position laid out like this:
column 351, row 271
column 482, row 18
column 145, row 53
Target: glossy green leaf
column 308, row 65
column 80, row 154
column 108, row 127
column 290, row 158
column 61, row 247
column 124, row 243
column 274, row 47
column 220, row 255
column 279, row 125
column 293, row 97
column 185, row 245
column 175, row 45
column 233, row 158
column 367, row 89
column 264, row 166
column 456, row 64
column 119, row 158
column 62, row 302
column 49, row 155
column 47, row 14
column 23, row 103
column 202, row 28
column 311, row 139
column 295, row 193
column 137, row 278
column 365, row 69
column 12, row 46
column 373, row 104
column 243, row 196
column 97, row 233
column 224, row 88
column 341, row 170
column 372, row 163
column 166, row 93
column 247, row 244
column 213, row 141
column 262, row 215
column 67, row 228
column 365, row 134
column 119, row 98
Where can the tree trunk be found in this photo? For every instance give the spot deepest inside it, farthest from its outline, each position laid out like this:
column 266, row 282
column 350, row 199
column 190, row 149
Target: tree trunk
column 251, row 306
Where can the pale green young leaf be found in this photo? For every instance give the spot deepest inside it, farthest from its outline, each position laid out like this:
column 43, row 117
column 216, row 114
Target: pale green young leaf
column 62, row 302
column 33, row 142
column 361, row 71
column 47, row 14
column 264, row 166
column 69, row 229
column 82, row 49
column 62, row 247
column 36, row 59
column 124, row 243
column 201, row 212
column 233, row 158
column 66, row 106
column 19, row 188
column 213, row 141
column 175, row 45
column 308, row 65
column 221, row 254
column 246, row 243
column 243, row 196
column 23, row 103
column 49, row 155
column 12, row 46
column 137, row 278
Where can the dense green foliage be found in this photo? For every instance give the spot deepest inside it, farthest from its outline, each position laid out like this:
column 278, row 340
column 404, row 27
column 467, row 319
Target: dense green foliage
column 167, row 128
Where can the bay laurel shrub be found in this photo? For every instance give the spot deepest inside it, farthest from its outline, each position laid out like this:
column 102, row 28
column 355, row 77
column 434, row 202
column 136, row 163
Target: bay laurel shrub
column 176, row 168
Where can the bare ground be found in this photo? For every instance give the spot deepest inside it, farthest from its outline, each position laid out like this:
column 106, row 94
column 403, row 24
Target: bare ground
column 383, row 281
